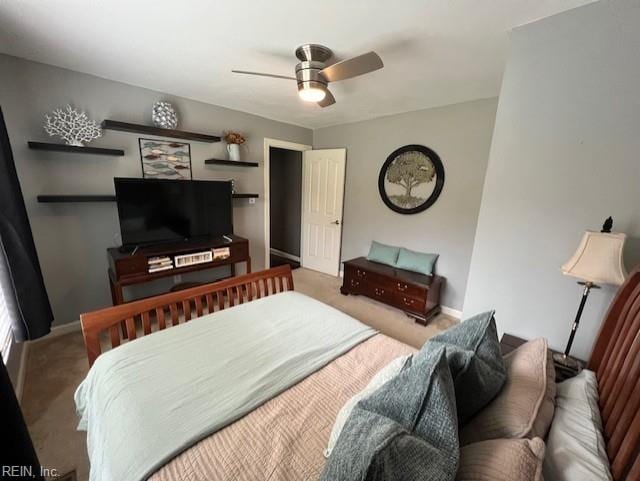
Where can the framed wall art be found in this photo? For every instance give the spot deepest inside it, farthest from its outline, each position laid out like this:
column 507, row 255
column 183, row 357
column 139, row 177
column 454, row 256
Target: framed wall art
column 162, row 159
column 411, row 179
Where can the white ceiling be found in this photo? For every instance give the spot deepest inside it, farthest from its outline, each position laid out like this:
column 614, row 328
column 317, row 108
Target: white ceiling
column 436, row 52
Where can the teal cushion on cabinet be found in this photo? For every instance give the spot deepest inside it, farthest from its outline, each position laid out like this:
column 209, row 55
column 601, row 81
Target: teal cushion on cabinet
column 383, row 253
column 416, row 261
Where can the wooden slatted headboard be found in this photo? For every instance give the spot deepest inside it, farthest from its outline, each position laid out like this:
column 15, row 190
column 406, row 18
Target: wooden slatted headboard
column 142, row 317
column 616, row 362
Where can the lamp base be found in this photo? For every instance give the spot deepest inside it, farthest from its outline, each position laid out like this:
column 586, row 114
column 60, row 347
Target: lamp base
column 566, row 366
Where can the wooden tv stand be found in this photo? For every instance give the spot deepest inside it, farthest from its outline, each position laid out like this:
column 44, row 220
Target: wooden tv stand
column 129, row 268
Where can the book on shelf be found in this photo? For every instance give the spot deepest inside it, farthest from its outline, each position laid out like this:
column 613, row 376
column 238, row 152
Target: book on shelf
column 159, row 268
column 221, row 253
column 159, row 260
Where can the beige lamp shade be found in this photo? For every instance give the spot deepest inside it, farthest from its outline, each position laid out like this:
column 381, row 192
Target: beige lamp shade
column 598, row 259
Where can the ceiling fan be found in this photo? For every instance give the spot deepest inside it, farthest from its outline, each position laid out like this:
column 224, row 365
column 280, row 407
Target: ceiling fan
column 313, row 74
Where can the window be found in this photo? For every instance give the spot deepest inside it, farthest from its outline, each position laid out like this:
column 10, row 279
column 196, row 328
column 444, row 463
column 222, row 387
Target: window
column 6, row 335
column 6, row 311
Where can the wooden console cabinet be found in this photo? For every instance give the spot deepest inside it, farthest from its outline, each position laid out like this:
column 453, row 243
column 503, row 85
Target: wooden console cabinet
column 128, row 268
column 416, row 294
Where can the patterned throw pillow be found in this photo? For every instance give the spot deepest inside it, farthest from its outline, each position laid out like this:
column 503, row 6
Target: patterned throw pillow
column 383, row 376
column 477, row 367
column 408, row 428
column 524, row 408
column 502, row 460
column 387, row 436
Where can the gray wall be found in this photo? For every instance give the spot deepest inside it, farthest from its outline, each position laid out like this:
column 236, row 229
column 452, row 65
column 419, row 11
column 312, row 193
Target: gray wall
column 565, row 155
column 461, row 135
column 71, row 238
column 285, row 190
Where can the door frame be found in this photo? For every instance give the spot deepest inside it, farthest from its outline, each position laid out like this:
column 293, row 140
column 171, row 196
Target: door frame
column 281, row 144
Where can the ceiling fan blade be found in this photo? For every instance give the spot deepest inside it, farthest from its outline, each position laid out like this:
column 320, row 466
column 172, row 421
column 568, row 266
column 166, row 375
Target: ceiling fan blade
column 352, row 67
column 328, row 99
column 260, row 74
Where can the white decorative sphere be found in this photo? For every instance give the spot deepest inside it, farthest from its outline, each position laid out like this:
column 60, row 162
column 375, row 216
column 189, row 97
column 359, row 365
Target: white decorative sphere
column 164, row 116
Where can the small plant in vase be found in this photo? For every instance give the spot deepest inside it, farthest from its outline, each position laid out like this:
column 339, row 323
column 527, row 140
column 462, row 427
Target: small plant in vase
column 234, row 140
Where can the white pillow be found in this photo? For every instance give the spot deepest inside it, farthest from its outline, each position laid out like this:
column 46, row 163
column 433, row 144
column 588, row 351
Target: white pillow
column 383, row 376
column 575, row 445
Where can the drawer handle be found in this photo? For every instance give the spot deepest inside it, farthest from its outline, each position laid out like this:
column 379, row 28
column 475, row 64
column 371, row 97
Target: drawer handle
column 379, row 292
column 354, row 283
column 408, row 302
column 361, row 273
column 402, row 287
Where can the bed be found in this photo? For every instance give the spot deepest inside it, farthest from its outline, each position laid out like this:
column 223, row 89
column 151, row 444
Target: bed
column 283, row 436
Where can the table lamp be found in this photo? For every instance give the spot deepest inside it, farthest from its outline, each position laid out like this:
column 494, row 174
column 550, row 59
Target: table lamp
column 598, row 260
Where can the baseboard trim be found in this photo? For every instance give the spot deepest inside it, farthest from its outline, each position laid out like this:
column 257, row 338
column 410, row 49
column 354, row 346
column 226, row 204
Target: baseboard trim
column 286, row 255
column 63, row 329
column 449, row 311
column 22, row 370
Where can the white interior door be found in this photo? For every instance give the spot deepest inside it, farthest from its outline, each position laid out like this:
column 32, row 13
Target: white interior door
column 322, row 200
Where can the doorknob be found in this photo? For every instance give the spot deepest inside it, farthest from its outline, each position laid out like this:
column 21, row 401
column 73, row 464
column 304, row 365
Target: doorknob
column 336, row 222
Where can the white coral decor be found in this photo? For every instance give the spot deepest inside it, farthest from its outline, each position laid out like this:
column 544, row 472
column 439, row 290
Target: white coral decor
column 72, row 126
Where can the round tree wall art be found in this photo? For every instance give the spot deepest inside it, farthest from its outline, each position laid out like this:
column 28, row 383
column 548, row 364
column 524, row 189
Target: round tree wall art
column 411, row 179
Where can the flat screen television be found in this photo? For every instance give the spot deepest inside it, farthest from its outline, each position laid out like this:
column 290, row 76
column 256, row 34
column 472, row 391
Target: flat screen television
column 154, row 211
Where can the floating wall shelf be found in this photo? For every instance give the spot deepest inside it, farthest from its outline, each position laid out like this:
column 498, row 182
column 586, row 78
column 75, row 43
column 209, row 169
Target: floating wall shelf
column 237, row 163
column 150, row 130
column 74, row 149
column 58, row 199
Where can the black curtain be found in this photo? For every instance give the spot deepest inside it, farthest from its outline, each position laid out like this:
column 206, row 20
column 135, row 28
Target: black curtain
column 20, row 276
column 27, row 306
column 17, row 454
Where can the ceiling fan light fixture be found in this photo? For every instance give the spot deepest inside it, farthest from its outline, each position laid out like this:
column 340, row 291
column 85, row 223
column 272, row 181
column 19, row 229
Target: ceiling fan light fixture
column 314, row 73
column 311, row 91
column 312, row 94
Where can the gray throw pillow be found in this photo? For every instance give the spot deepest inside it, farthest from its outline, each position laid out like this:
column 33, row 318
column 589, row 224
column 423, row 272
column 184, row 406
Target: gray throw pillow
column 475, row 359
column 406, row 430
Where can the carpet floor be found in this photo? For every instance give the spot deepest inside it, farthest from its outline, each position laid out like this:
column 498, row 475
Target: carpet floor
column 56, row 366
